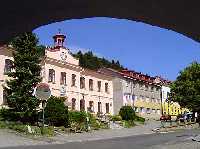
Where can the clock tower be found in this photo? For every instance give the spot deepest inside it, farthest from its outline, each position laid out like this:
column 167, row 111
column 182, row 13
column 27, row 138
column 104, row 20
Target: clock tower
column 59, row 40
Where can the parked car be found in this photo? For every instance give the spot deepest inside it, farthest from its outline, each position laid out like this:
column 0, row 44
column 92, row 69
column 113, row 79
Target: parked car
column 188, row 117
column 165, row 118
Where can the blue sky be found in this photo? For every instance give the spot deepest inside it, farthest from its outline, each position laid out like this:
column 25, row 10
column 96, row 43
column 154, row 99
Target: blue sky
column 138, row 46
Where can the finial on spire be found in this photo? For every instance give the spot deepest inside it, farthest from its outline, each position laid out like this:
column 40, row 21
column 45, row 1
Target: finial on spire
column 59, row 31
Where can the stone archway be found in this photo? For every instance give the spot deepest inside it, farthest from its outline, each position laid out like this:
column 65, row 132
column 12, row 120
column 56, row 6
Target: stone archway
column 20, row 16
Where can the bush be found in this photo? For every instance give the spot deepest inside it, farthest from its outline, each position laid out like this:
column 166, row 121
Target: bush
column 129, row 124
column 116, row 118
column 56, row 113
column 78, row 120
column 140, row 119
column 93, row 122
column 127, row 113
column 24, row 117
column 77, row 116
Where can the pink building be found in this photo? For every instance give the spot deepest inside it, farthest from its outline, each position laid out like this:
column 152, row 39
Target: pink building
column 84, row 89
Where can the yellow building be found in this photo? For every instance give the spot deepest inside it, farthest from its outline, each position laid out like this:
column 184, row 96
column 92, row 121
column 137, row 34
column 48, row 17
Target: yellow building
column 170, row 108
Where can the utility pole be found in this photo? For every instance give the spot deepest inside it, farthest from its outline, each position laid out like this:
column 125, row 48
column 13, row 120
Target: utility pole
column 161, row 101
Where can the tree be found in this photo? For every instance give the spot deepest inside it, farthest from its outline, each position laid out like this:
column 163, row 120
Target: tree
column 186, row 89
column 91, row 61
column 56, row 113
column 27, row 58
column 127, row 113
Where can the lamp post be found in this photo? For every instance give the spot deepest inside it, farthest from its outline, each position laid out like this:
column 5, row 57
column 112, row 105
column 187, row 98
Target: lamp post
column 161, row 101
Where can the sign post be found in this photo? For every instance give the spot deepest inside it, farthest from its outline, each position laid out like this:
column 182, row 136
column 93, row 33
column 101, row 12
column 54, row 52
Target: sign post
column 42, row 92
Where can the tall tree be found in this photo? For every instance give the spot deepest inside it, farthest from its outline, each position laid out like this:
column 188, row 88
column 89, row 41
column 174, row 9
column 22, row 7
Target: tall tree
column 27, row 58
column 186, row 89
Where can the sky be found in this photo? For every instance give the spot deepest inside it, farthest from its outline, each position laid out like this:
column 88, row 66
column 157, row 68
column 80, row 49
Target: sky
column 138, row 46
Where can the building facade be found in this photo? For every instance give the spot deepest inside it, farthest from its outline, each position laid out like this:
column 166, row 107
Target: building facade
column 169, row 107
column 137, row 90
column 83, row 89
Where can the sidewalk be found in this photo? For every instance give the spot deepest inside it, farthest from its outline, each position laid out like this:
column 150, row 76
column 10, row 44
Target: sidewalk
column 9, row 138
column 108, row 134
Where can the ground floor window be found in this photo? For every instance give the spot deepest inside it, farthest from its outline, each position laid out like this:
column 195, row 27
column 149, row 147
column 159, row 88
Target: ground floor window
column 99, row 107
column 107, row 108
column 5, row 98
column 91, row 106
column 82, row 105
column 148, row 110
column 73, row 103
column 142, row 110
column 136, row 109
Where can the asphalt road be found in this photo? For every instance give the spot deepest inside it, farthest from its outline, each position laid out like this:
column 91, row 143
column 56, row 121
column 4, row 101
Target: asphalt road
column 133, row 142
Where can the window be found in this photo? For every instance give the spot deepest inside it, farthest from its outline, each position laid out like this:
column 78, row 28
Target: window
column 90, row 84
column 82, row 105
column 142, row 110
column 99, row 107
column 73, row 103
column 152, row 89
column 141, row 97
column 107, row 108
column 99, row 86
column 146, row 87
column 147, row 99
column 134, row 84
column 106, row 87
column 140, row 85
column 63, row 78
column 148, row 110
column 5, row 100
column 136, row 109
column 8, row 65
column 73, row 80
column 157, row 89
column 82, row 82
column 91, row 106
column 52, row 75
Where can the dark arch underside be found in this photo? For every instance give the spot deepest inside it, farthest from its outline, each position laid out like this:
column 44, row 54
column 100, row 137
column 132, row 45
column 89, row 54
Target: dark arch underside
column 25, row 15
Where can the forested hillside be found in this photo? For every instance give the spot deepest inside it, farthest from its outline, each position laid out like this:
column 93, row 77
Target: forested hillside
column 91, row 61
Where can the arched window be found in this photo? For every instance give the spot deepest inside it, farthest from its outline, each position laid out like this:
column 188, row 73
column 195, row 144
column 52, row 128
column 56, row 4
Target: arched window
column 73, row 103
column 52, row 75
column 8, row 65
column 82, row 105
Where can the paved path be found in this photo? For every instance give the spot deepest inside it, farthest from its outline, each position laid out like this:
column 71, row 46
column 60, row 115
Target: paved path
column 176, row 140
column 107, row 134
column 11, row 139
